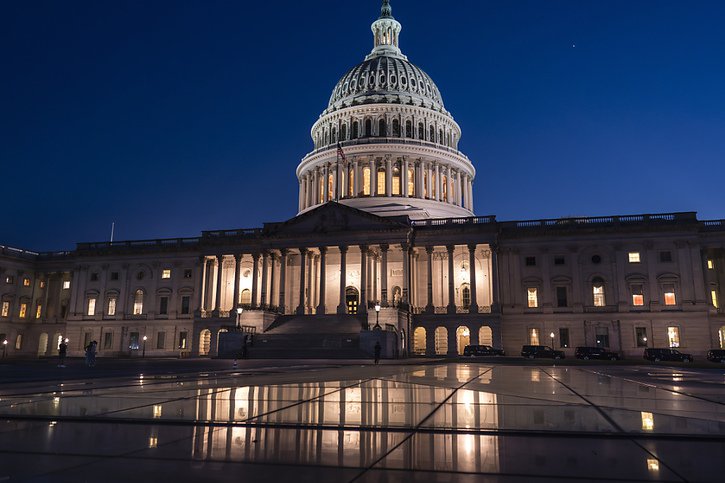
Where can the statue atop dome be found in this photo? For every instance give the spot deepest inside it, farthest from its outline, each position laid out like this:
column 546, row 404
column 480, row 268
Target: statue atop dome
column 386, row 11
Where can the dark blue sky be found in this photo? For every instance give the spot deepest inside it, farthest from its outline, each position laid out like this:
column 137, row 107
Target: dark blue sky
column 172, row 117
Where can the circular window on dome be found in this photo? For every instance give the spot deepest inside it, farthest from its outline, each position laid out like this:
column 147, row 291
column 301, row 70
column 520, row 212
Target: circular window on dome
column 363, row 82
column 381, row 80
column 403, row 81
column 412, row 81
column 427, row 87
column 393, row 81
column 596, row 259
column 353, row 84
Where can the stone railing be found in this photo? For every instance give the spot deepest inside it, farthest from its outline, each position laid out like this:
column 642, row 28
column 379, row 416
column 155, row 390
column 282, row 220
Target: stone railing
column 374, row 140
column 129, row 244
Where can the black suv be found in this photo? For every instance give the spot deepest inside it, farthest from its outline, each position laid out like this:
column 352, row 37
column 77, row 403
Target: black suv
column 481, row 351
column 536, row 351
column 716, row 355
column 595, row 353
column 666, row 355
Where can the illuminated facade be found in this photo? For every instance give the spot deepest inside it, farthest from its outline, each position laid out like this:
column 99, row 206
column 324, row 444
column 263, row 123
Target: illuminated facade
column 386, row 220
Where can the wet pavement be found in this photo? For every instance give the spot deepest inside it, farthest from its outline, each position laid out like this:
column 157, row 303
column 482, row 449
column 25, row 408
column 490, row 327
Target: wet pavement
column 435, row 422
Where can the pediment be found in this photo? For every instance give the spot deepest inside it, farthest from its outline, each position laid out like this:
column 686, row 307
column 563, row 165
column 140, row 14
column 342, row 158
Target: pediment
column 335, row 217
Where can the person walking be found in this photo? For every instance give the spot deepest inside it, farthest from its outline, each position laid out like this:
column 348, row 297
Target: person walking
column 62, row 351
column 91, row 354
column 377, row 352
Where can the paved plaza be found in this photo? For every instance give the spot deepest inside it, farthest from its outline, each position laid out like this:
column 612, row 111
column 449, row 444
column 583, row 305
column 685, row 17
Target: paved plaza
column 343, row 421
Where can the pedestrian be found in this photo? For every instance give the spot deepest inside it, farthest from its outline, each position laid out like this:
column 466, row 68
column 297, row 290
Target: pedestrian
column 91, row 354
column 377, row 352
column 62, row 351
column 244, row 347
column 88, row 354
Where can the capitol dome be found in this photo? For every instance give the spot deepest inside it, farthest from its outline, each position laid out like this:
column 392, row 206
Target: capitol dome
column 385, row 143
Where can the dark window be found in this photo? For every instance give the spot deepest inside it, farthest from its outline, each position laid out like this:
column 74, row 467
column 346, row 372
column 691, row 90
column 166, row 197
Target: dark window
column 396, row 128
column 368, row 128
column 183, row 340
column 596, row 259
column 185, row 304
column 139, row 276
column 94, row 277
column 343, row 133
column 114, row 275
column 666, row 256
column 563, row 337
column 187, row 273
column 561, row 297
column 164, row 306
column 133, row 339
column 382, row 128
column 9, row 279
column 432, row 137
column 530, row 261
column 108, row 340
column 421, row 131
column 602, row 334
column 559, row 261
column 640, row 334
column 408, row 129
column 160, row 340
column 355, row 130
column 87, row 338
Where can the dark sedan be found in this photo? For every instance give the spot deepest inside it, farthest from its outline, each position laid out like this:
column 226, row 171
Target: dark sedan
column 716, row 355
column 539, row 351
column 595, row 353
column 481, row 351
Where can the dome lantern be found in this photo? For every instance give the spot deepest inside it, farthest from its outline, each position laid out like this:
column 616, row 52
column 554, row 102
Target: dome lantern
column 386, row 31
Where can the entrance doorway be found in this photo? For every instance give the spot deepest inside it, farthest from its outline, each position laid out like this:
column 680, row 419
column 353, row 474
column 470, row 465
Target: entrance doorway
column 43, row 344
column 352, row 299
column 204, row 342
column 463, row 338
column 419, row 341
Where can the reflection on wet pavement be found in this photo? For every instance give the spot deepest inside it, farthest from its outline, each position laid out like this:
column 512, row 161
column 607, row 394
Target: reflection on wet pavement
column 442, row 422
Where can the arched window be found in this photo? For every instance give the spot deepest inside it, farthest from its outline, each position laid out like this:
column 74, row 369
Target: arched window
column 485, row 336
column 433, row 184
column 368, row 128
column 396, row 128
column 441, row 341
column 343, row 132
column 449, row 140
column 366, row 180
column 396, row 181
column 425, row 184
column 138, row 302
column 598, row 292
column 382, row 128
column 408, row 129
column 432, row 137
column 419, row 341
column 444, row 188
column 334, row 135
column 330, row 187
column 466, row 295
column 246, row 297
column 441, row 139
column 421, row 131
column 380, row 191
column 411, row 181
column 321, row 190
column 355, row 130
column 351, row 182
column 463, row 338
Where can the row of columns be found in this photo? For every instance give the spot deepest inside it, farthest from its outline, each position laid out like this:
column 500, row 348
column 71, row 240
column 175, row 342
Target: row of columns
column 315, row 186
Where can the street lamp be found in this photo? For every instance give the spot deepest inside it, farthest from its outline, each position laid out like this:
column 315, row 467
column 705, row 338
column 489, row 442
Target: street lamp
column 143, row 354
column 239, row 316
column 552, row 339
column 644, row 339
column 5, row 347
column 377, row 317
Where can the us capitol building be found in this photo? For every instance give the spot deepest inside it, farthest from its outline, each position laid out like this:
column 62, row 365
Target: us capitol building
column 385, row 248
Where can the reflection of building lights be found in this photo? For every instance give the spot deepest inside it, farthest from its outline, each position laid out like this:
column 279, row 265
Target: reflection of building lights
column 653, row 465
column 56, row 400
column 469, row 443
column 53, row 423
column 157, row 410
column 535, row 376
column 153, row 442
column 648, row 421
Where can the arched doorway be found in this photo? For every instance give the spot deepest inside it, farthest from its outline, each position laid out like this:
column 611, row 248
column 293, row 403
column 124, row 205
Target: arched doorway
column 441, row 341
column 463, row 338
column 204, row 342
column 43, row 344
column 217, row 338
column 419, row 341
column 352, row 299
column 466, row 296
column 246, row 297
column 485, row 336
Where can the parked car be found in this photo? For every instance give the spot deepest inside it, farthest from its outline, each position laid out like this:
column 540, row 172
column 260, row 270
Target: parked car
column 595, row 353
column 537, row 351
column 653, row 354
column 481, row 351
column 716, row 355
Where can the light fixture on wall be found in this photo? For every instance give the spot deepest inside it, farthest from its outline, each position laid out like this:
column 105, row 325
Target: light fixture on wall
column 377, row 317
column 239, row 316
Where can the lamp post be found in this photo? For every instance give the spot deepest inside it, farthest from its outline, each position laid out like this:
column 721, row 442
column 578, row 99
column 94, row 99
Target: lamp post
column 239, row 316
column 377, row 317
column 552, row 339
column 143, row 353
column 5, row 347
column 644, row 339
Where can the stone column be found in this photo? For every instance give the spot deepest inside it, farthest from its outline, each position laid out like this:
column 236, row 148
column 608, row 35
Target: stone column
column 388, row 176
column 404, row 177
column 321, row 305
column 255, row 280
column 418, row 179
column 325, row 185
column 200, row 272
column 451, row 190
column 282, row 276
column 237, row 266
column 384, row 275
column 439, row 195
column 406, row 273
column 218, row 298
column 301, row 306
column 300, row 196
column 472, row 271
column 495, row 305
column 429, row 308
column 452, row 342
column 342, row 306
column 373, row 178
column 470, row 191
column 451, row 286
column 363, row 308
column 316, row 187
column 272, row 258
column 356, row 181
column 263, row 301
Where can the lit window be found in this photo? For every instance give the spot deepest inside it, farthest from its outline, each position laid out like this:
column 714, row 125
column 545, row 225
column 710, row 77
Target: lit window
column 653, row 465
column 380, row 190
column 673, row 336
column 669, row 290
column 183, row 340
column 19, row 342
column 648, row 421
column 710, row 265
column 42, row 284
column 713, row 296
column 533, row 297
column 26, row 282
column 351, row 183
column 444, row 188
column 91, row 306
column 166, row 273
column 23, row 310
column 637, row 296
column 411, row 182
column 112, row 306
column 38, row 311
column 9, row 279
column 5, row 309
column 634, row 257
column 66, row 284
column 366, row 181
column 330, row 187
column 138, row 302
column 598, row 292
column 321, row 190
column 396, row 182
column 534, row 336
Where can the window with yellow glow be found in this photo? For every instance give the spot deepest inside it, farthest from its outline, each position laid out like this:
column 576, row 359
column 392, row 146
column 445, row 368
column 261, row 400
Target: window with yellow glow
column 673, row 336
column 112, row 306
column 634, row 257
column 534, row 336
column 713, row 297
column 351, row 183
column 66, row 284
column 425, row 184
column 653, row 465
column 433, row 185
column 91, row 306
column 637, row 295
column 533, row 297
column 366, row 180
column 648, row 421
column 138, row 302
column 444, row 188
column 411, row 182
column 166, row 273
column 5, row 309
column 23, row 310
column 669, row 290
column 330, row 187
column 380, row 182
column 321, row 190
column 598, row 292
column 42, row 284
column 26, row 282
column 396, row 181
column 710, row 265
column 38, row 311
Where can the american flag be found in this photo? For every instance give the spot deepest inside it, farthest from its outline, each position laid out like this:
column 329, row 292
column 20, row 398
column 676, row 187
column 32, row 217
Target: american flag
column 340, row 152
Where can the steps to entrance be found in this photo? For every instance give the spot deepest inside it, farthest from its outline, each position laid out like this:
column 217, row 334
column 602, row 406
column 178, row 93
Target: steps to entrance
column 317, row 324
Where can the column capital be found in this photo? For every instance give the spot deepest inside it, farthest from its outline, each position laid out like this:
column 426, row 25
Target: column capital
column 343, row 248
column 384, row 247
column 256, row 255
column 238, row 257
column 450, row 248
column 429, row 249
column 303, row 251
column 283, row 252
column 323, row 250
column 472, row 246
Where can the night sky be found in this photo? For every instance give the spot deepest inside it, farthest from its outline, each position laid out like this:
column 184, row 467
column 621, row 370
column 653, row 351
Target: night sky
column 172, row 117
